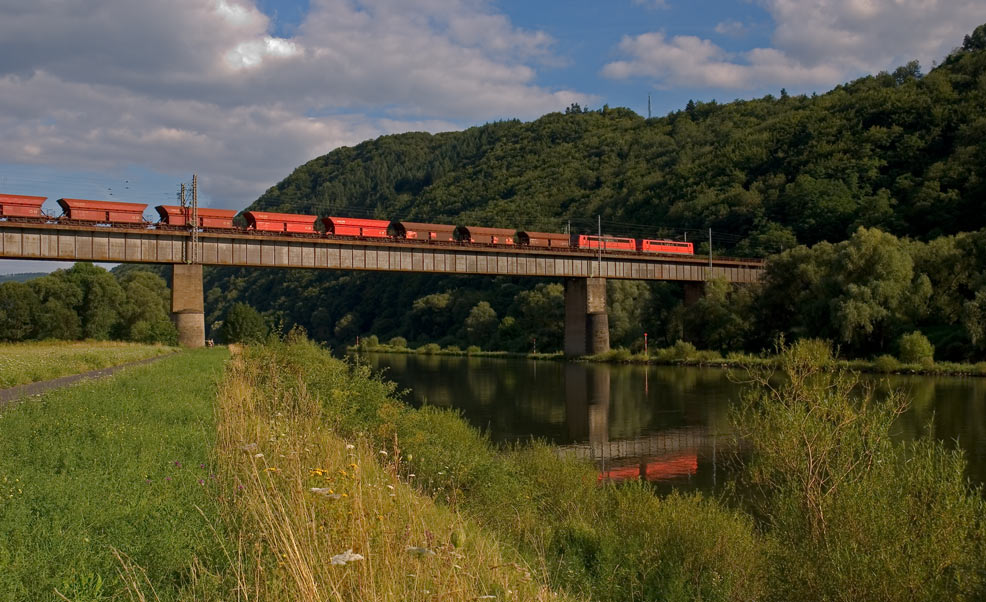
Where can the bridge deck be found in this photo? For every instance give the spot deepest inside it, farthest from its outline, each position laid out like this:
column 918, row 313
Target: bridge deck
column 148, row 245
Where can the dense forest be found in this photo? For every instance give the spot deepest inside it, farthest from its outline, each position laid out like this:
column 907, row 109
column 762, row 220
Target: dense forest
column 868, row 201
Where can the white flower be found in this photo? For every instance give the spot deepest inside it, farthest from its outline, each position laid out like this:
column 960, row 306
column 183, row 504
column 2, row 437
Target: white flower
column 258, row 455
column 326, row 492
column 350, row 446
column 383, row 452
column 419, row 551
column 347, row 556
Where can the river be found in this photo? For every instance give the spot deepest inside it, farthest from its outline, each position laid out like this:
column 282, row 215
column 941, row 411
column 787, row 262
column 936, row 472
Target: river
column 670, row 424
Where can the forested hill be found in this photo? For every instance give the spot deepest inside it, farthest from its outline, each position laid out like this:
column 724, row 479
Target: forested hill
column 901, row 151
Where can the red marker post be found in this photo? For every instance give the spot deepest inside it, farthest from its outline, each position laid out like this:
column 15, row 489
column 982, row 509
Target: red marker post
column 645, row 343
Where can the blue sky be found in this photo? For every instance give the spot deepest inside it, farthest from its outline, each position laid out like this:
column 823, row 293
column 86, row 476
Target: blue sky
column 117, row 99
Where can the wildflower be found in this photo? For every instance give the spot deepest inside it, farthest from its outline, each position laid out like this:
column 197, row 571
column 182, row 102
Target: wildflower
column 249, row 447
column 201, row 482
column 419, row 551
column 258, row 455
column 177, row 463
column 347, row 556
column 383, row 452
column 349, row 446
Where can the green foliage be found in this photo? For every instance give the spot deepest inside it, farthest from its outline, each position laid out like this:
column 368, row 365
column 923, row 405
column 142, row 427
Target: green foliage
column 915, row 348
column 849, row 512
column 18, row 305
column 399, row 342
column 243, row 324
column 481, row 323
column 86, row 301
column 430, row 348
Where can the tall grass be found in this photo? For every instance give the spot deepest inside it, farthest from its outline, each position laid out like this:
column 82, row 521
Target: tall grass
column 22, row 363
column 593, row 542
column 305, row 496
column 850, row 513
column 116, row 467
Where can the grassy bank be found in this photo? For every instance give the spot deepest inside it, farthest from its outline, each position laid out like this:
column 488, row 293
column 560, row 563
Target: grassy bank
column 841, row 510
column 22, row 363
column 120, row 465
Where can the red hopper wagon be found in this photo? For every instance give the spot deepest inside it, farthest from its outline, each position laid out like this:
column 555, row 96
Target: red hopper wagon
column 486, row 236
column 173, row 215
column 262, row 221
column 16, row 205
column 106, row 212
column 419, row 231
column 349, row 226
column 544, row 239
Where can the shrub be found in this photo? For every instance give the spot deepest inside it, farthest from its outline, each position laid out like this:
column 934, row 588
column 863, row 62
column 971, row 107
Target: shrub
column 399, row 342
column 886, row 363
column 915, row 348
column 430, row 349
column 473, row 350
column 453, row 349
column 682, row 350
column 849, row 512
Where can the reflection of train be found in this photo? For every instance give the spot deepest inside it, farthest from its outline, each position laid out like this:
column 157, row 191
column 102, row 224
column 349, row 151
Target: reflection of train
column 131, row 215
column 681, row 465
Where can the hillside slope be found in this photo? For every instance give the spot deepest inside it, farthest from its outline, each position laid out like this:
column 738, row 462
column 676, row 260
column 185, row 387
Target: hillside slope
column 902, row 152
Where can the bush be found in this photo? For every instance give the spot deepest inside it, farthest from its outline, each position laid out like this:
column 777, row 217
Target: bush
column 915, row 348
column 430, row 349
column 370, row 342
column 453, row 349
column 473, row 350
column 243, row 324
column 849, row 512
column 399, row 342
column 886, row 363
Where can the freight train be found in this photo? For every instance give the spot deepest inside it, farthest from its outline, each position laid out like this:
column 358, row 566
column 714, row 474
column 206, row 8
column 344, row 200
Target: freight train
column 130, row 215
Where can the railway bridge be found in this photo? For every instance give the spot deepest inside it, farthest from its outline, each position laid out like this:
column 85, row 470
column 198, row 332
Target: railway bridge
column 584, row 271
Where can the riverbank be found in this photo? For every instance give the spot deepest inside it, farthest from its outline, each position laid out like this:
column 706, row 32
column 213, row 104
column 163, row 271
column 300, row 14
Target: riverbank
column 685, row 354
column 624, row 542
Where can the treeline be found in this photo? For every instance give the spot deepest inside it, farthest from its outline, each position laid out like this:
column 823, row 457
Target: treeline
column 901, row 155
column 87, row 302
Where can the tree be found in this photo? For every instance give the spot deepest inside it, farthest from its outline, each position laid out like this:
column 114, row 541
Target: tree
column 102, row 298
column 243, row 324
column 145, row 313
column 19, row 308
column 481, row 324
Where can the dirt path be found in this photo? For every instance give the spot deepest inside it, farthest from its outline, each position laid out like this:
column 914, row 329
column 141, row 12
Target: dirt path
column 8, row 396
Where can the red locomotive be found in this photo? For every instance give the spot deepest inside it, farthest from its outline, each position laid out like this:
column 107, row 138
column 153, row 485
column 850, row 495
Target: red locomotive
column 131, row 215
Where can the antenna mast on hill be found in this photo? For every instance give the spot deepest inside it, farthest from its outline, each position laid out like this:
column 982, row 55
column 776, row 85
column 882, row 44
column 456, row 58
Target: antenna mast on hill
column 648, row 106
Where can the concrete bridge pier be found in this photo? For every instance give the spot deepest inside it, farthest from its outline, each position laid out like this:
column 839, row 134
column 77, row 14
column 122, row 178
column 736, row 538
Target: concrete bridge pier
column 586, row 322
column 187, row 304
column 693, row 292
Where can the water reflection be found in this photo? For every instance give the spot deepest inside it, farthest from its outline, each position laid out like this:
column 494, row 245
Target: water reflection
column 659, row 423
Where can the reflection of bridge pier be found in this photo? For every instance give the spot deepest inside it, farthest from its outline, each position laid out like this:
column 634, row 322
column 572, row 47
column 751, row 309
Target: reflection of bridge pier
column 658, row 456
column 587, row 394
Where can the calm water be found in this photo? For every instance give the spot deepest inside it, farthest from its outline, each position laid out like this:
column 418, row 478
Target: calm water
column 666, row 423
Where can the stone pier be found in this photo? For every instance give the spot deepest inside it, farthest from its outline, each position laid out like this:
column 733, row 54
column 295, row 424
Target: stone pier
column 586, row 322
column 187, row 304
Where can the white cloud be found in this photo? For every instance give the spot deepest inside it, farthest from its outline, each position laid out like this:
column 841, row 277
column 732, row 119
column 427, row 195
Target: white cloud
column 660, row 4
column 188, row 85
column 814, row 44
column 730, row 28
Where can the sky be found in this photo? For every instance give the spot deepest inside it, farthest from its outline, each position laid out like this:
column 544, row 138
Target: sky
column 125, row 99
